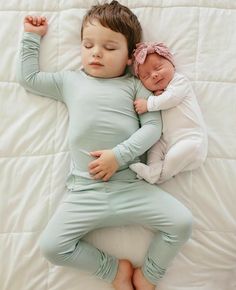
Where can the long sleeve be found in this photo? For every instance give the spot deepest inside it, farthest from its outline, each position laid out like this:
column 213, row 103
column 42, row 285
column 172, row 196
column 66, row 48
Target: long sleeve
column 28, row 71
column 148, row 134
column 174, row 94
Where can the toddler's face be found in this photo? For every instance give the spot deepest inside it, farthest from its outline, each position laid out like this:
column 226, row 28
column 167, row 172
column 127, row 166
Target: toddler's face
column 104, row 52
column 156, row 72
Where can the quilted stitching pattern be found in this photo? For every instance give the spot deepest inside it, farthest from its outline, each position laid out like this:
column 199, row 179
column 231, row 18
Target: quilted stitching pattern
column 34, row 158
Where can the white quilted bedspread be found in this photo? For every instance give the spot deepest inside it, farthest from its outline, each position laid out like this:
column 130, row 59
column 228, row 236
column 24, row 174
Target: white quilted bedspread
column 34, row 158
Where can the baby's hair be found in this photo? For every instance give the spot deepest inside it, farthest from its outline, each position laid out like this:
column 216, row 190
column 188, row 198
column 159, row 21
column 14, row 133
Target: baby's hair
column 118, row 18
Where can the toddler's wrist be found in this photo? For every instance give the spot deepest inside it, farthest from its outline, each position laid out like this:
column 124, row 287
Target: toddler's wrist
column 32, row 31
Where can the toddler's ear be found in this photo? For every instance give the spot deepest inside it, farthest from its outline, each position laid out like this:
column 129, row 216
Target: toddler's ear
column 130, row 61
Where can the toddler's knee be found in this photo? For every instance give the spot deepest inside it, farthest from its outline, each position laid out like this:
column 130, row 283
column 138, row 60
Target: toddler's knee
column 50, row 249
column 184, row 226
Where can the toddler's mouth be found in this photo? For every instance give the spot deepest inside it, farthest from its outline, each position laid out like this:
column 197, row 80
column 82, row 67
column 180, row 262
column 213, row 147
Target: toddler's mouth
column 95, row 63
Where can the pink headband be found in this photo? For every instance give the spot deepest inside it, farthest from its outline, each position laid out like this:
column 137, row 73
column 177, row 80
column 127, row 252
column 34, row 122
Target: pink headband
column 145, row 48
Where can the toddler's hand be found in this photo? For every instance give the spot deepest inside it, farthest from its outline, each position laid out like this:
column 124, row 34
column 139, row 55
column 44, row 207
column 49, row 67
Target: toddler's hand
column 36, row 24
column 104, row 166
column 140, row 106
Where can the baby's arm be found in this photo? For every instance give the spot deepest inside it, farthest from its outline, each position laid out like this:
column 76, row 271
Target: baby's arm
column 29, row 75
column 171, row 97
column 140, row 106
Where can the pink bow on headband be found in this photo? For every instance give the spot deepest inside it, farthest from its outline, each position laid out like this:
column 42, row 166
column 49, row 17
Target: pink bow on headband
column 145, row 48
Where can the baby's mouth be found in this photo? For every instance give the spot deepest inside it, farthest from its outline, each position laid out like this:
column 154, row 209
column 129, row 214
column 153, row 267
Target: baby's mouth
column 157, row 84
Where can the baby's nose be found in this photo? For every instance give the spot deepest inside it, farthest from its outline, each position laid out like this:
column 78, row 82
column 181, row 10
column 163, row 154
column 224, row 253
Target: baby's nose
column 155, row 75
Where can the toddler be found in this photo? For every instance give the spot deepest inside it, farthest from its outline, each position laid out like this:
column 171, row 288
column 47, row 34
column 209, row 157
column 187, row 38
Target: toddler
column 105, row 137
column 183, row 144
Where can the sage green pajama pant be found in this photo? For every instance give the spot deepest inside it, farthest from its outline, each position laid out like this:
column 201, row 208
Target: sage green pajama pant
column 115, row 203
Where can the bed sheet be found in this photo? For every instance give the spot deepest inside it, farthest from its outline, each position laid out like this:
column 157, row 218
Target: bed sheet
column 34, row 157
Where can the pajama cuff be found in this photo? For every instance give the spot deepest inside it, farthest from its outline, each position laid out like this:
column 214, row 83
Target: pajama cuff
column 152, row 272
column 108, row 267
column 118, row 156
column 32, row 36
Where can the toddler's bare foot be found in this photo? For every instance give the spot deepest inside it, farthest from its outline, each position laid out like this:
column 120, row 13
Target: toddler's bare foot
column 123, row 279
column 140, row 282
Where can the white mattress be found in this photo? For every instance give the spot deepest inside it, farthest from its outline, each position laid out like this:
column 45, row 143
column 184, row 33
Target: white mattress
column 34, row 158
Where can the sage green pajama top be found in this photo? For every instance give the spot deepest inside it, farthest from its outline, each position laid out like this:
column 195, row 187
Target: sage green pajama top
column 101, row 111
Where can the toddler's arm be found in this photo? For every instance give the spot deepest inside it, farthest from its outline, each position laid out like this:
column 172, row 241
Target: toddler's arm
column 108, row 161
column 29, row 75
column 148, row 133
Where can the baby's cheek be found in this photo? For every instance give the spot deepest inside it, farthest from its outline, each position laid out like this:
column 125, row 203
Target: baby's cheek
column 145, row 83
column 150, row 85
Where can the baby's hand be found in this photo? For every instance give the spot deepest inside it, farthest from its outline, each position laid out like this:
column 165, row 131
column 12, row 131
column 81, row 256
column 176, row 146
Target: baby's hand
column 140, row 106
column 36, row 24
column 104, row 166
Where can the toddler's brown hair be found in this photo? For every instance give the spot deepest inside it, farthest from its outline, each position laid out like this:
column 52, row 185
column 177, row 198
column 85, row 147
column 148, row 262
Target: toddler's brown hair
column 118, row 18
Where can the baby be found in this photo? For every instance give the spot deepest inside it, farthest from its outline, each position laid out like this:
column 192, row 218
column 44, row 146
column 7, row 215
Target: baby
column 183, row 145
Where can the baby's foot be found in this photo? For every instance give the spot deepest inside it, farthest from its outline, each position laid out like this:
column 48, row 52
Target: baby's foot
column 137, row 168
column 150, row 173
column 140, row 282
column 123, row 279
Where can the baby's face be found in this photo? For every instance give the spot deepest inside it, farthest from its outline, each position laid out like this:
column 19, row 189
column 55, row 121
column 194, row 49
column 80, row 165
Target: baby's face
column 104, row 52
column 156, row 72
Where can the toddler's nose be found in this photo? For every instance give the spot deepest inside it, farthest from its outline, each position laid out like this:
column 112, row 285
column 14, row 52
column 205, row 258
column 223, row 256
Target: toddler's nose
column 97, row 52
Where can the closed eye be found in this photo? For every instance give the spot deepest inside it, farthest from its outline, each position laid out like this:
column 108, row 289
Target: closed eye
column 144, row 77
column 110, row 48
column 157, row 68
column 87, row 44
